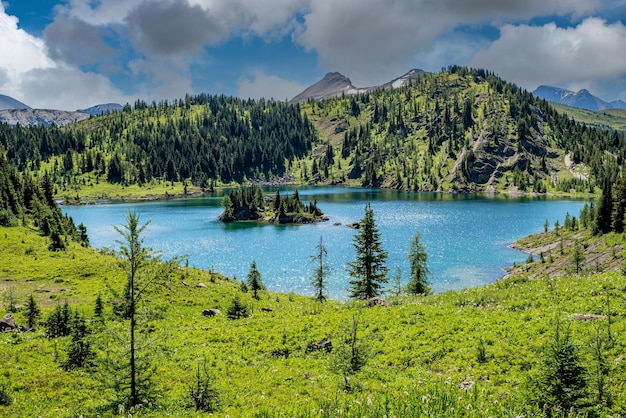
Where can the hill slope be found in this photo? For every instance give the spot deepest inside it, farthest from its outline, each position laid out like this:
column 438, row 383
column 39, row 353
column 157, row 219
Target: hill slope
column 460, row 130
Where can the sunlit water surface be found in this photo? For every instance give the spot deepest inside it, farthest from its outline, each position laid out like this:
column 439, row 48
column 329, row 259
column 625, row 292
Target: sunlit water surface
column 466, row 236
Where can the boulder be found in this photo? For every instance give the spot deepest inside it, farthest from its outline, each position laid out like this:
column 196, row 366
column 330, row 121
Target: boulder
column 201, row 285
column 586, row 317
column 7, row 323
column 376, row 301
column 211, row 312
column 467, row 385
column 267, row 309
column 324, row 345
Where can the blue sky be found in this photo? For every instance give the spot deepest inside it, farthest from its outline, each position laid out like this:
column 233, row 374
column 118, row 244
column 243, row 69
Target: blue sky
column 69, row 54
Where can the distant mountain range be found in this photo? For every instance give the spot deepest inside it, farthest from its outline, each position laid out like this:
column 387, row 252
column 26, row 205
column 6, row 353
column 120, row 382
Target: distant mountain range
column 13, row 111
column 582, row 99
column 101, row 109
column 336, row 84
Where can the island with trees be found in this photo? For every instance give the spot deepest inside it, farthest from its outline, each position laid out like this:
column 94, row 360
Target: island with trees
column 250, row 204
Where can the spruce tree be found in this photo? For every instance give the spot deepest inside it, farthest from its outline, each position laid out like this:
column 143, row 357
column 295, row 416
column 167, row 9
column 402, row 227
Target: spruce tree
column 605, row 210
column 560, row 385
column 254, row 280
column 418, row 260
column 368, row 268
column 32, row 313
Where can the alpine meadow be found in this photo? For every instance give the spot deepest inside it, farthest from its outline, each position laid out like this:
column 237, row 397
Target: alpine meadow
column 127, row 331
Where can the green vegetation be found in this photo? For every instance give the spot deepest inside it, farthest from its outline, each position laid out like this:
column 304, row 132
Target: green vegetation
column 423, row 355
column 248, row 203
column 369, row 269
column 459, row 130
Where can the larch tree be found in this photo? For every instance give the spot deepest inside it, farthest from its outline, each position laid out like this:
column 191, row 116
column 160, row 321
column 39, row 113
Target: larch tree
column 144, row 270
column 321, row 271
column 369, row 268
column 418, row 260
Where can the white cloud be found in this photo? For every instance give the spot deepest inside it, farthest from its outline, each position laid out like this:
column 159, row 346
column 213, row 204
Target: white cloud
column 19, row 50
column 373, row 40
column 67, row 88
column 533, row 55
column 28, row 74
column 268, row 86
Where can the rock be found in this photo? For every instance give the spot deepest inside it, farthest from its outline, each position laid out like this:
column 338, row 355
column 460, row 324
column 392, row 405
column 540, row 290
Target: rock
column 377, row 301
column 267, row 309
column 325, row 345
column 201, row 285
column 7, row 323
column 467, row 385
column 353, row 225
column 185, row 283
column 211, row 312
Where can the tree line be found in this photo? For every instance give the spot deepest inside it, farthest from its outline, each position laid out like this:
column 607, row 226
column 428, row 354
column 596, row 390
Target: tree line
column 25, row 199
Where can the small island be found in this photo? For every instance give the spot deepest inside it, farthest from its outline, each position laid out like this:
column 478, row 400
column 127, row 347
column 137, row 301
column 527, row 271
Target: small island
column 250, row 204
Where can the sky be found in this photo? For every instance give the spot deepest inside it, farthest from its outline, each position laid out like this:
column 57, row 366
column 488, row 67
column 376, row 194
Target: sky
column 70, row 54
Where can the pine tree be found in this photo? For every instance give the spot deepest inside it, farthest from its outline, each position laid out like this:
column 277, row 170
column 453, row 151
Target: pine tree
column 368, row 269
column 418, row 259
column 254, row 280
column 604, row 211
column 32, row 313
column 98, row 308
column 561, row 384
column 79, row 353
column 321, row 271
column 237, row 309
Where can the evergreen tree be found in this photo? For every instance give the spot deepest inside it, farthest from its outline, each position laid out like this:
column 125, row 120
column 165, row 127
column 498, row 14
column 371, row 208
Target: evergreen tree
column 560, row 385
column 604, row 211
column 79, row 353
column 32, row 313
column 237, row 309
column 321, row 271
column 577, row 257
column 132, row 372
column 619, row 204
column 368, row 269
column 254, row 280
column 418, row 260
column 98, row 308
column 350, row 355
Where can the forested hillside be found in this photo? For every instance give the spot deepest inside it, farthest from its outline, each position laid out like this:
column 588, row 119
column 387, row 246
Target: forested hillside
column 30, row 202
column 459, row 130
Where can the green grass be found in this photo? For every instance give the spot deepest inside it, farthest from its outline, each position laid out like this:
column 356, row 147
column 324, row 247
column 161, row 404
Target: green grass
column 420, row 348
column 614, row 119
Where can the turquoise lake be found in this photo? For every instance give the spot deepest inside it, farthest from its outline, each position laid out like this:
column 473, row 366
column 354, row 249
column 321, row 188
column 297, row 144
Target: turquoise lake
column 466, row 236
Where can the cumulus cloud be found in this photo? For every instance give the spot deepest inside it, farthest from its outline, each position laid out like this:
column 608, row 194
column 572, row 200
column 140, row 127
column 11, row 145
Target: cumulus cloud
column 533, row 55
column 373, row 40
column 173, row 28
column 76, row 42
column 268, row 86
column 67, row 88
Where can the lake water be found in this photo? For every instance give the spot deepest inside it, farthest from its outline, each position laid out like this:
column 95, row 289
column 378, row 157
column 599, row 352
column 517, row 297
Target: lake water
column 466, row 236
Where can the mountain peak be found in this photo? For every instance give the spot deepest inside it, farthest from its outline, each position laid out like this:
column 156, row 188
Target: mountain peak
column 335, row 84
column 582, row 98
column 7, row 102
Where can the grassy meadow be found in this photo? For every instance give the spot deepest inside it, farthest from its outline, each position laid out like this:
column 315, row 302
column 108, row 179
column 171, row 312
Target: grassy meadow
column 469, row 353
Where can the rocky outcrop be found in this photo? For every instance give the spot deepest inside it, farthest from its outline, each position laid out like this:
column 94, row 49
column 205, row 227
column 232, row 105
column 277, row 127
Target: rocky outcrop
column 7, row 324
